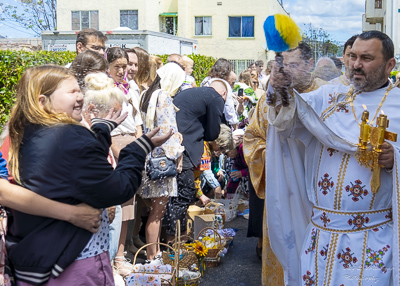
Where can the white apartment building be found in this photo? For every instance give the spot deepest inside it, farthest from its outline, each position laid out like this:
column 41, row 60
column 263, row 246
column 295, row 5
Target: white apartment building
column 384, row 16
column 232, row 29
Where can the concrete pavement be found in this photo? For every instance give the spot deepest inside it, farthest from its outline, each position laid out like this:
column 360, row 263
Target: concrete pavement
column 241, row 266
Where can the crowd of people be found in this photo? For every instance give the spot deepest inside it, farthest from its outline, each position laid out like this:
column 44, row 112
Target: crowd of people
column 98, row 130
column 117, row 141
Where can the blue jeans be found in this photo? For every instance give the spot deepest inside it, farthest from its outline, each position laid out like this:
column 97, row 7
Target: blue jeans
column 115, row 232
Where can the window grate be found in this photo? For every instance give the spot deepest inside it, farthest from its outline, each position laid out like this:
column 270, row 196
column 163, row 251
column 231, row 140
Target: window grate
column 84, row 19
column 240, row 65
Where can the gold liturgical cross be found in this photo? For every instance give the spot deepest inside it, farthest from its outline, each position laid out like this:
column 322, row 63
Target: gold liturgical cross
column 374, row 136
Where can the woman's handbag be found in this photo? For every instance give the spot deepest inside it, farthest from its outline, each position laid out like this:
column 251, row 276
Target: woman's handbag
column 160, row 167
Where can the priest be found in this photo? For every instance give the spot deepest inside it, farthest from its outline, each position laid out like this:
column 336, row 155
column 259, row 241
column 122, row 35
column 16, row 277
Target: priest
column 299, row 64
column 332, row 211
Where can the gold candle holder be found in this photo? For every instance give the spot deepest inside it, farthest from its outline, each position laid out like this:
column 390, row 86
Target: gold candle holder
column 374, row 135
column 364, row 131
column 378, row 136
column 382, row 123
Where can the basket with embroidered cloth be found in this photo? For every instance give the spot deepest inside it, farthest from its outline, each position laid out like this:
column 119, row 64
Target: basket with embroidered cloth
column 154, row 275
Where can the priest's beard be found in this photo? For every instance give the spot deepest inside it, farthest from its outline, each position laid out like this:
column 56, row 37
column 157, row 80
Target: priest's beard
column 371, row 81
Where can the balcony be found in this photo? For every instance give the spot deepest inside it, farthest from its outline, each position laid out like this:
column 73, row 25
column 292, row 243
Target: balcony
column 370, row 27
column 374, row 11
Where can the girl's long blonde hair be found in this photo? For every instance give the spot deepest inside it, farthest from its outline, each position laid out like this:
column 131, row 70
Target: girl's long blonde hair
column 42, row 80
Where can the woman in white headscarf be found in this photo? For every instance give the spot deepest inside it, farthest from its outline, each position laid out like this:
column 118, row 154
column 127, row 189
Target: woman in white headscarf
column 158, row 111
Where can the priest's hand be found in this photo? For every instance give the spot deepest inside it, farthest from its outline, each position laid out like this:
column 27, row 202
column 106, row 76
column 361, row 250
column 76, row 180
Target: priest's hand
column 386, row 158
column 280, row 77
column 280, row 81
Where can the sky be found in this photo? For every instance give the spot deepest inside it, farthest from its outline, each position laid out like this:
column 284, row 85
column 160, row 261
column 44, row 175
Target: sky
column 11, row 29
column 340, row 18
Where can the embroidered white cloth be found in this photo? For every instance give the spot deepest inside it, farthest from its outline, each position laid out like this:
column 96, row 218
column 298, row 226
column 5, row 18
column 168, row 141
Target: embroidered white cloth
column 310, row 162
column 148, row 275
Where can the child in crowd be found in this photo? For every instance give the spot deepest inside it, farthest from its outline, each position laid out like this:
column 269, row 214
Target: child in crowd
column 100, row 96
column 240, row 171
column 208, row 175
column 85, row 63
column 125, row 133
column 217, row 166
column 205, row 165
column 53, row 155
column 188, row 66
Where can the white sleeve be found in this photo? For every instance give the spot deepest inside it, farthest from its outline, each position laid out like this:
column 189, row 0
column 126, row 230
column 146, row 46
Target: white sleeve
column 283, row 120
column 229, row 110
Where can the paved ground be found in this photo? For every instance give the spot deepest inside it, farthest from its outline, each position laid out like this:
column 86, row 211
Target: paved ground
column 241, row 266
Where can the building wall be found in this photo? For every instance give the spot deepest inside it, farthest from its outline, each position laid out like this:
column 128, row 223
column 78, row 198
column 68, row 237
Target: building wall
column 219, row 44
column 109, row 12
column 216, row 45
column 170, row 46
column 387, row 20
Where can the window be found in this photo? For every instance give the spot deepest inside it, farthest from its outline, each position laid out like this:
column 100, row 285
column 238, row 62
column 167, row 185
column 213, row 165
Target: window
column 202, row 26
column 85, row 19
column 241, row 27
column 169, row 25
column 240, row 65
column 378, row 4
column 128, row 18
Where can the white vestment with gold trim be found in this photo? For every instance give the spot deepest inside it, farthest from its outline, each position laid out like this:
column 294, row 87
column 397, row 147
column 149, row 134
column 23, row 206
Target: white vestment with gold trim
column 325, row 225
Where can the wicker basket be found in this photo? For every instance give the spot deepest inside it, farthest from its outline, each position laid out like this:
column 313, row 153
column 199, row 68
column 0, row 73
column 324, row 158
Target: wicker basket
column 186, row 259
column 189, row 282
column 212, row 258
column 212, row 262
column 175, row 265
column 212, row 207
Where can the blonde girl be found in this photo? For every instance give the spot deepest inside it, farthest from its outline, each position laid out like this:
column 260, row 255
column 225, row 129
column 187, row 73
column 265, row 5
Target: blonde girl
column 53, row 155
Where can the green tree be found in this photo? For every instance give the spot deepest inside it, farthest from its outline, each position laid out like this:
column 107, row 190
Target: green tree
column 320, row 41
column 35, row 15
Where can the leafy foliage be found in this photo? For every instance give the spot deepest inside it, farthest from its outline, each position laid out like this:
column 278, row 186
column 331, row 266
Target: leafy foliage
column 36, row 15
column 202, row 64
column 14, row 63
